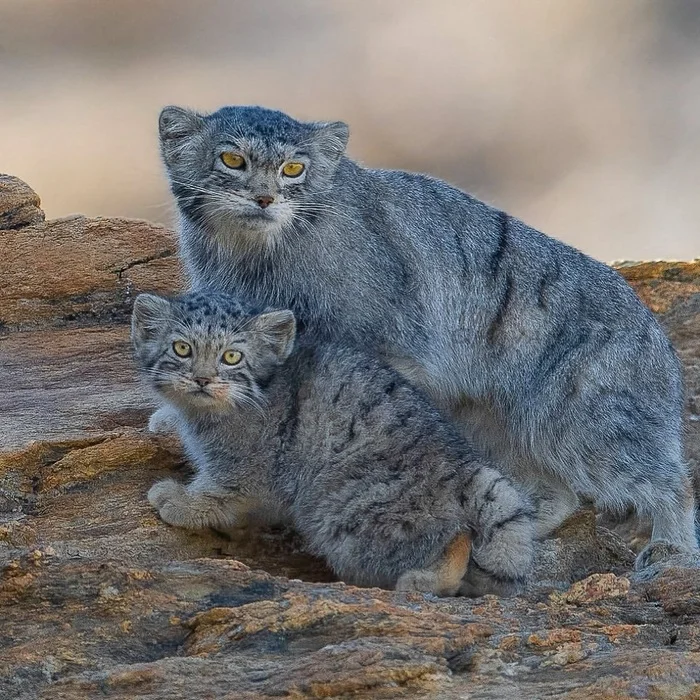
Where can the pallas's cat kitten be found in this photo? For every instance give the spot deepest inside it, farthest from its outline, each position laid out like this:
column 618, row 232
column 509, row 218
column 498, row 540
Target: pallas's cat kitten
column 545, row 356
column 365, row 468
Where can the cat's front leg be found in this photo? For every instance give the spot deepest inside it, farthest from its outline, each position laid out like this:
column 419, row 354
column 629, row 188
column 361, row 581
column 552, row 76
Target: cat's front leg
column 196, row 508
column 163, row 421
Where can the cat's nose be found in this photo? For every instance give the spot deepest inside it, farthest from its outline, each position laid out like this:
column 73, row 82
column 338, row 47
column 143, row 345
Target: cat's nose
column 202, row 381
column 264, row 200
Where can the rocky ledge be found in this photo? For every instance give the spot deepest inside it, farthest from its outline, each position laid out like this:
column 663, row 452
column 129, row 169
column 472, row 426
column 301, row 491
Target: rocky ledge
column 101, row 599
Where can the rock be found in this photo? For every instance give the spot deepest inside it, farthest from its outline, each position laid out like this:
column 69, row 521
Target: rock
column 102, row 599
column 19, row 204
column 674, row 586
column 594, row 588
column 76, row 269
column 580, row 547
column 662, row 285
column 81, row 377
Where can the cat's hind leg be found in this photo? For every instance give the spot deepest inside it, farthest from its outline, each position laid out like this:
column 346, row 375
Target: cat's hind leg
column 444, row 577
column 672, row 512
column 197, row 506
column 554, row 503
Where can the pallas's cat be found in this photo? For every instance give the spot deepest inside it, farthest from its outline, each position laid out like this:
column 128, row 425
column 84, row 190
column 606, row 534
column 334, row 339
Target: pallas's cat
column 546, row 356
column 359, row 461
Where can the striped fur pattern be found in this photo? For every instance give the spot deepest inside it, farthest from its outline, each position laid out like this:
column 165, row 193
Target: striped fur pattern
column 331, row 439
column 545, row 356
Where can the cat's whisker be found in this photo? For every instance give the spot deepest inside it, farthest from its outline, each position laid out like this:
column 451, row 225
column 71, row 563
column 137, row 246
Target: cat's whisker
column 250, row 400
column 206, row 190
column 319, row 209
column 305, row 225
column 215, row 209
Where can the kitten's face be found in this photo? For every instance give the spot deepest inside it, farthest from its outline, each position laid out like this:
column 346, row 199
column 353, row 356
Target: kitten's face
column 246, row 173
column 205, row 353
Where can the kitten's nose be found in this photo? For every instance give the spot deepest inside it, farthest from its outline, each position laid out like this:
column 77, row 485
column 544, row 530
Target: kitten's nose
column 264, row 200
column 202, row 381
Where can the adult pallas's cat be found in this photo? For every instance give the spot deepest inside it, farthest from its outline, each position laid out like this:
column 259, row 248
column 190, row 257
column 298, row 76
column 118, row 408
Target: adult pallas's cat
column 546, row 356
column 366, row 469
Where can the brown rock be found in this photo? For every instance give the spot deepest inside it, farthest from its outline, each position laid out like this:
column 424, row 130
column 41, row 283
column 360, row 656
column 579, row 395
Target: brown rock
column 677, row 590
column 662, row 285
column 77, row 269
column 101, row 599
column 82, row 269
column 219, row 629
column 580, row 547
column 594, row 588
column 19, row 204
column 68, row 383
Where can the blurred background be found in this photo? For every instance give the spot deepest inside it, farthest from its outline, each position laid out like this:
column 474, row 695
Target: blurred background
column 581, row 117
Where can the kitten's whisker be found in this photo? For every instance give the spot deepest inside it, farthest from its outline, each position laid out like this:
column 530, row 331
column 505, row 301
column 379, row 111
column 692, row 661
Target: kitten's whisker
column 250, row 398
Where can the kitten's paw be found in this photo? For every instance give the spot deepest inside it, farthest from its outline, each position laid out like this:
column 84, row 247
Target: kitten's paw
column 424, row 581
column 418, row 581
column 163, row 421
column 163, row 491
column 178, row 505
column 172, row 502
column 655, row 552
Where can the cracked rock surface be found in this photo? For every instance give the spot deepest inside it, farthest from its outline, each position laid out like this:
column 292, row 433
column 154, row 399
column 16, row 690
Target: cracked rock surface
column 100, row 599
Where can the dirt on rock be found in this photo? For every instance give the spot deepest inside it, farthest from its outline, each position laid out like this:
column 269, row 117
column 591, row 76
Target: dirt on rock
column 100, row 599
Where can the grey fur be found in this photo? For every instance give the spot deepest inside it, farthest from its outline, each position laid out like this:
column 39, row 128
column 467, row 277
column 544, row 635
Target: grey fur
column 543, row 353
column 360, row 461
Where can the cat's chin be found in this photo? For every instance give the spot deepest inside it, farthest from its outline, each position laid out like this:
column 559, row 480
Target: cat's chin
column 249, row 230
column 201, row 402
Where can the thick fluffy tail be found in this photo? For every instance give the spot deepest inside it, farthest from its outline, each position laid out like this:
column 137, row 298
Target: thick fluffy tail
column 502, row 522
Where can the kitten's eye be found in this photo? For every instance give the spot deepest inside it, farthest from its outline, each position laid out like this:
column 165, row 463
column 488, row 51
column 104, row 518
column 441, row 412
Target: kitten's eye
column 182, row 349
column 232, row 357
column 232, row 160
column 292, row 169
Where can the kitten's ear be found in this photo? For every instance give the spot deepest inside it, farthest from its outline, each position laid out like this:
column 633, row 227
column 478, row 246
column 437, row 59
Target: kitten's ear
column 148, row 317
column 333, row 138
column 176, row 123
column 277, row 329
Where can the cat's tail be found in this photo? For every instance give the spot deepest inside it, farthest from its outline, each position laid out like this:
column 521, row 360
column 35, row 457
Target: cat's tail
column 501, row 519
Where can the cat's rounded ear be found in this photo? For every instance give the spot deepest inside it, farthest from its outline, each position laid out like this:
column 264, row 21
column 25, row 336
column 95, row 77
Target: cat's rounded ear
column 277, row 330
column 148, row 316
column 332, row 137
column 176, row 123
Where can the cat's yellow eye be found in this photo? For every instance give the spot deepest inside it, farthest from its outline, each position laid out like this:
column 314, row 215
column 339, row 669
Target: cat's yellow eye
column 232, row 160
column 182, row 349
column 292, row 169
column 232, row 357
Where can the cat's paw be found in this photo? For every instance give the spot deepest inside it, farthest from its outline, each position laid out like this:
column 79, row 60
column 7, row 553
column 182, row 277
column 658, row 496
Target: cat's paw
column 655, row 552
column 477, row 583
column 172, row 502
column 163, row 421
